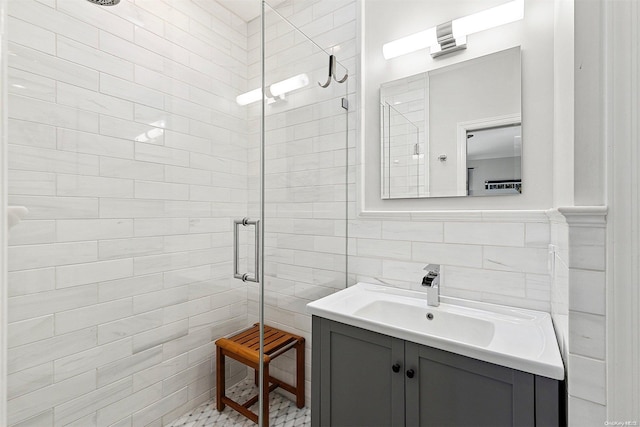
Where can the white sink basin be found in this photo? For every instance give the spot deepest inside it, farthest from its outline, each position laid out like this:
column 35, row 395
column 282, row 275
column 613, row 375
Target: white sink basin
column 517, row 338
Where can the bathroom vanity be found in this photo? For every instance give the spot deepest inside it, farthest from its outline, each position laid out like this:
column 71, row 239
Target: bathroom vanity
column 369, row 371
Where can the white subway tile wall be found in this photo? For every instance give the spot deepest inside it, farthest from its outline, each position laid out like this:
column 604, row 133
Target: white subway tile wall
column 126, row 145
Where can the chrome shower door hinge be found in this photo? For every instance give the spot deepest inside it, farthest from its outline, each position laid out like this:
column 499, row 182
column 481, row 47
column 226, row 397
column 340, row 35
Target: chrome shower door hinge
column 345, row 104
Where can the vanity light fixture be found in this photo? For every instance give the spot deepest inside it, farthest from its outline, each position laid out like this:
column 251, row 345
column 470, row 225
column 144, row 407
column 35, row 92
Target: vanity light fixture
column 451, row 36
column 279, row 90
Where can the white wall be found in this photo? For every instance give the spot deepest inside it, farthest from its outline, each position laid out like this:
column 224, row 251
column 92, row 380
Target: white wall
column 127, row 147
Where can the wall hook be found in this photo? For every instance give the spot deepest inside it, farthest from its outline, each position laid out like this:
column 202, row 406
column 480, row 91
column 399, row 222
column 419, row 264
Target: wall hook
column 332, row 73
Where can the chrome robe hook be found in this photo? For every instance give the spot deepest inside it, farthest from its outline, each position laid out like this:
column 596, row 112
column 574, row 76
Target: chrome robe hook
column 332, row 73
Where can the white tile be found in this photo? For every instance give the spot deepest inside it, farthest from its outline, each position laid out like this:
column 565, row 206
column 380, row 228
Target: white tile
column 384, row 249
column 130, row 51
column 537, row 235
column 157, row 373
column 132, row 131
column 136, row 401
column 127, row 366
column 93, row 229
column 91, row 186
column 588, row 379
column 47, row 302
column 130, row 91
column 161, row 82
column 131, row 169
column 38, row 256
column 527, row 260
column 30, row 330
column 93, row 58
column 50, row 19
column 34, row 61
column 22, row 132
column 161, row 226
column 31, row 281
column 84, row 317
column 587, row 291
column 485, row 233
column 160, row 190
column 186, row 276
column 90, row 143
column 30, row 35
column 505, row 283
column 177, row 382
column 163, row 262
column 156, row 43
column 29, row 380
column 129, row 326
column 125, row 248
column 164, row 155
column 33, row 233
column 587, row 335
column 91, row 359
column 44, row 418
column 585, row 413
column 34, row 354
column 32, row 183
column 33, row 403
column 31, row 85
column 154, row 300
column 413, row 231
column 89, row 100
column 128, row 208
column 48, row 113
column 82, row 274
column 365, row 229
column 45, row 160
column 450, row 254
column 87, row 405
column 146, row 340
column 122, row 288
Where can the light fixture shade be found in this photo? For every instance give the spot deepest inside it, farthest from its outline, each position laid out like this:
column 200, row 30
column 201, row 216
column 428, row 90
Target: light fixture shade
column 290, row 84
column 461, row 27
column 417, row 41
column 490, row 18
column 249, row 97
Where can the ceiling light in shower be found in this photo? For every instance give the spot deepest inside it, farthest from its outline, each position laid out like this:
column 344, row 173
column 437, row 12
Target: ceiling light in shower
column 276, row 90
column 451, row 35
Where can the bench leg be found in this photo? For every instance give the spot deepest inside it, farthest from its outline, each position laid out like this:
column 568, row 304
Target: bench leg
column 300, row 374
column 219, row 379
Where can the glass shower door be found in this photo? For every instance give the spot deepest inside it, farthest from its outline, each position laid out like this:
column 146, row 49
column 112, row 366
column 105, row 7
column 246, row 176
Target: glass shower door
column 291, row 244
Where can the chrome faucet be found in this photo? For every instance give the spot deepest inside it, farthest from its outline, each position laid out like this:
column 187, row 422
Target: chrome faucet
column 432, row 282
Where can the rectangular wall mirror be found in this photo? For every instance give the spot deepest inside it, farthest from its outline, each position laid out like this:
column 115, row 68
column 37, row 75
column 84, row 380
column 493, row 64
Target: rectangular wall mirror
column 454, row 131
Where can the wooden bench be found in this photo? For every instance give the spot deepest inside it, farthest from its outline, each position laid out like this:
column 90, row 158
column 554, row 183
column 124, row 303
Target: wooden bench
column 245, row 347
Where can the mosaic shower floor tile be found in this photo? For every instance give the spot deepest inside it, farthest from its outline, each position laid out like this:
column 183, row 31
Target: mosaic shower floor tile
column 282, row 411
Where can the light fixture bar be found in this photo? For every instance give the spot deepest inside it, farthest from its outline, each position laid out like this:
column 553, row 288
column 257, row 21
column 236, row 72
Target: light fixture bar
column 459, row 29
column 278, row 89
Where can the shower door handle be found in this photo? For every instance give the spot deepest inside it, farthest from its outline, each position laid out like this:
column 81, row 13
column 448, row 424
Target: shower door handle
column 246, row 277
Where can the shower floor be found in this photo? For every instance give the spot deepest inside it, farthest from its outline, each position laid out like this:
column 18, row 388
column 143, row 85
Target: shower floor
column 282, row 411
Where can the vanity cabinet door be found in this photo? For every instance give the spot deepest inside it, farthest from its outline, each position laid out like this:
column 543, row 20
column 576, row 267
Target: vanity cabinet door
column 354, row 377
column 452, row 390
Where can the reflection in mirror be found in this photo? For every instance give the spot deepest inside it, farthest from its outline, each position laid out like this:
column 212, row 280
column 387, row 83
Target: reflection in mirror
column 494, row 159
column 479, row 97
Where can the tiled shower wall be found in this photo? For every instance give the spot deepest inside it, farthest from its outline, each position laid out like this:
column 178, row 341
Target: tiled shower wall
column 127, row 147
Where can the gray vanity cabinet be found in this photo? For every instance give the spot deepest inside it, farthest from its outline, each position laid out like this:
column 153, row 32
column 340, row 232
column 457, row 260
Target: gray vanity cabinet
column 365, row 379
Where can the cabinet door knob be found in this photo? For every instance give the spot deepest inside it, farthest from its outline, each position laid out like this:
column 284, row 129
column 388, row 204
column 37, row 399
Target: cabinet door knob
column 396, row 368
column 410, row 373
